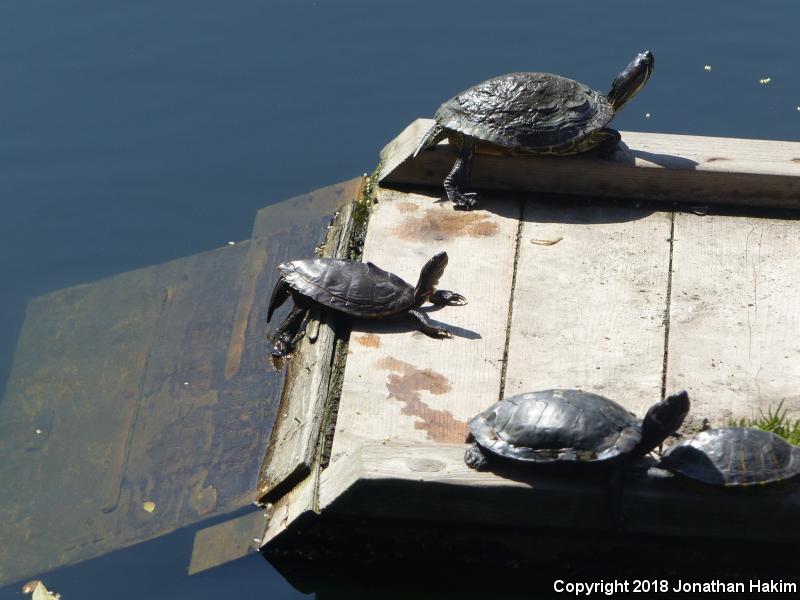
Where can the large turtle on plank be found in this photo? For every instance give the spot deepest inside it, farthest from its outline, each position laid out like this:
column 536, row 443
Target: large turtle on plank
column 567, row 426
column 361, row 290
column 532, row 113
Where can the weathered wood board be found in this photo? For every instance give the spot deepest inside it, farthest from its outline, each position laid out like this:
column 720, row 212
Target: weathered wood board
column 144, row 402
column 689, row 170
column 628, row 301
column 734, row 333
column 400, row 384
column 295, row 438
column 590, row 302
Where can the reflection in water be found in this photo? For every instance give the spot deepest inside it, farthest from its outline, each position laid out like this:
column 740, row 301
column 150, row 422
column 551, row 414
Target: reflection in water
column 142, row 403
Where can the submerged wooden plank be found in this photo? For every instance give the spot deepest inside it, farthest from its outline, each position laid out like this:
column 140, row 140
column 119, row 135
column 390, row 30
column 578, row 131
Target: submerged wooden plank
column 227, row 541
column 590, row 302
column 400, row 384
column 143, row 402
column 734, row 337
column 678, row 168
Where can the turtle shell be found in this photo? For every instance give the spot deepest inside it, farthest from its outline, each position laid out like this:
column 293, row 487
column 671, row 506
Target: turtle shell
column 734, row 456
column 558, row 425
column 352, row 287
column 527, row 110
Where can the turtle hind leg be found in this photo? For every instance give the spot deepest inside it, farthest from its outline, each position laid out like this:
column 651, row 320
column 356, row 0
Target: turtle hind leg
column 280, row 293
column 604, row 141
column 460, row 174
column 428, row 328
column 435, row 135
column 447, row 298
column 286, row 335
column 475, row 458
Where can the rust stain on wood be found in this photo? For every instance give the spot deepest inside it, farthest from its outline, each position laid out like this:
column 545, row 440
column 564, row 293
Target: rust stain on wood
column 405, row 382
column 256, row 259
column 439, row 224
column 406, row 207
column 369, row 340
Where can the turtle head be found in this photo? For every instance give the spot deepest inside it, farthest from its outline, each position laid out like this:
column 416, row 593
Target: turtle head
column 663, row 419
column 429, row 276
column 631, row 79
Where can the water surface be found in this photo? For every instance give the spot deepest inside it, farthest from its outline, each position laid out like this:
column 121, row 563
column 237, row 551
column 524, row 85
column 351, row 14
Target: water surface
column 132, row 134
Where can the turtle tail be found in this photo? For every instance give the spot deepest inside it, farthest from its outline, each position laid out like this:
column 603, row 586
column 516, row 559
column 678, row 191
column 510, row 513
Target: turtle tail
column 435, row 135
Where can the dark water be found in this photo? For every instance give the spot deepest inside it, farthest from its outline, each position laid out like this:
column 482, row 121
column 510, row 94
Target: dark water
column 132, row 133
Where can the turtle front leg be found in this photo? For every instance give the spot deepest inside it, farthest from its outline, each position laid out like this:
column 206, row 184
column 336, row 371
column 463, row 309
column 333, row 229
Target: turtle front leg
column 284, row 339
column 447, row 298
column 460, row 174
column 428, row 328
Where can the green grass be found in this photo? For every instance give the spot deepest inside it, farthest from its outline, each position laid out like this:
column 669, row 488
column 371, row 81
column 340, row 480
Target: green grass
column 775, row 421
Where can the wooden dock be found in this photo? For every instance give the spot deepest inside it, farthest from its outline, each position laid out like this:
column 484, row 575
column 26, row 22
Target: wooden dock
column 674, row 265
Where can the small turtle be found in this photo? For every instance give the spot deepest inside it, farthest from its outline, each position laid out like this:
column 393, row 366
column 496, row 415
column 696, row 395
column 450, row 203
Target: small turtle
column 531, row 113
column 357, row 289
column 570, row 426
column 733, row 457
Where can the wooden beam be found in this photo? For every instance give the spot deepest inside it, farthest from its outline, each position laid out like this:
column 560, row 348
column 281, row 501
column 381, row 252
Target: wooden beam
column 689, row 170
column 430, row 483
column 734, row 337
column 293, row 446
column 590, row 302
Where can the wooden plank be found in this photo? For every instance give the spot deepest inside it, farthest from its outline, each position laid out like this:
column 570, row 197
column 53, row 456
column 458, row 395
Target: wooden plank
column 735, row 315
column 590, row 302
column 690, row 170
column 400, row 384
column 293, row 444
column 286, row 511
column 227, row 541
column 429, row 483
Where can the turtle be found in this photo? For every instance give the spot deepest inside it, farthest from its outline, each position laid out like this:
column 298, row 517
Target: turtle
column 358, row 289
column 531, row 113
column 733, row 457
column 569, row 426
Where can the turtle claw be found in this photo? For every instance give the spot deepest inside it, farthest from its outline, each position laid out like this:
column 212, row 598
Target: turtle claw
column 447, row 298
column 465, row 200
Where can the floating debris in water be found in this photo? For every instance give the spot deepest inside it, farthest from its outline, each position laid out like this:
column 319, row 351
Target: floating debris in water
column 38, row 431
column 798, row 108
column 765, row 80
column 231, row 243
column 39, row 591
column 707, row 67
column 646, row 115
column 149, row 506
